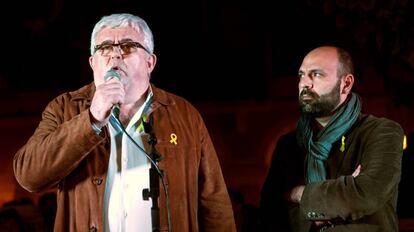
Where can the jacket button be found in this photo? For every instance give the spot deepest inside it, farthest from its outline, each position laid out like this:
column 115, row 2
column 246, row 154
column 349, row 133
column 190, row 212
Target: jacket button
column 93, row 229
column 312, row 215
column 97, row 181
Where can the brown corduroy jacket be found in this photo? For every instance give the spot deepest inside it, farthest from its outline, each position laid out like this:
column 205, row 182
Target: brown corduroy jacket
column 66, row 153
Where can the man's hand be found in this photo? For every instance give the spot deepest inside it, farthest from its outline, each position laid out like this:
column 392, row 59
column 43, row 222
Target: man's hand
column 322, row 223
column 106, row 95
column 296, row 194
column 357, row 171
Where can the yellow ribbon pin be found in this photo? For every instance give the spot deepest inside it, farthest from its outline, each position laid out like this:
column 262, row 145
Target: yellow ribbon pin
column 342, row 144
column 140, row 127
column 173, row 138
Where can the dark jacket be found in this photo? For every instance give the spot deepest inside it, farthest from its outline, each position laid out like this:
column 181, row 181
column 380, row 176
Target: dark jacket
column 65, row 152
column 365, row 203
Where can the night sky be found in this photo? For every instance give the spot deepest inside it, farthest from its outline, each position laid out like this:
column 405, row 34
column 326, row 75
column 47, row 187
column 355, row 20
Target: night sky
column 210, row 50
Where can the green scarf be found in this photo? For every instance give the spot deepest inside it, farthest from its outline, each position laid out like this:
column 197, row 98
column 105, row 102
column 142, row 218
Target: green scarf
column 318, row 148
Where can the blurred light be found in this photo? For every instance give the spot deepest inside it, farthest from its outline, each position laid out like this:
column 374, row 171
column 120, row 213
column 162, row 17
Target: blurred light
column 405, row 142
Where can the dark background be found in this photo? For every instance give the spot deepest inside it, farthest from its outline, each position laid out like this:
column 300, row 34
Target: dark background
column 210, row 50
column 237, row 61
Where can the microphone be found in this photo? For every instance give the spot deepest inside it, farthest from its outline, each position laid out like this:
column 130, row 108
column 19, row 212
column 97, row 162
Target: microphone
column 112, row 73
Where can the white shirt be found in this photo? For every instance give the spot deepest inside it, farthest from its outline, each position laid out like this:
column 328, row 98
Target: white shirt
column 128, row 174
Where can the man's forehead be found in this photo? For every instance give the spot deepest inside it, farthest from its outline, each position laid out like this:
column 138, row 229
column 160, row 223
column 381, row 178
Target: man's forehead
column 118, row 33
column 319, row 61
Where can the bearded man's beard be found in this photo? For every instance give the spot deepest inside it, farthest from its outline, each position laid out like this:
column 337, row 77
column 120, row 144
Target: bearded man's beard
column 320, row 105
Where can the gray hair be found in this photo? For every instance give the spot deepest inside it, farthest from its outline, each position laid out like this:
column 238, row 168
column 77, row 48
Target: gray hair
column 124, row 20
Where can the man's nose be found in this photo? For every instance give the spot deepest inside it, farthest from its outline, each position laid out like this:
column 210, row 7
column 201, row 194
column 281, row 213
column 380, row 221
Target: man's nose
column 305, row 82
column 116, row 52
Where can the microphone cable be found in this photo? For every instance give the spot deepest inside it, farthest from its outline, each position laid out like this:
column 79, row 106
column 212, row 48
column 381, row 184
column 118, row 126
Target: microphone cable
column 118, row 123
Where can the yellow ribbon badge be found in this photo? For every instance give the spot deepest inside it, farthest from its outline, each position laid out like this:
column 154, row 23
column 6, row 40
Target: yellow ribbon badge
column 173, row 138
column 342, row 144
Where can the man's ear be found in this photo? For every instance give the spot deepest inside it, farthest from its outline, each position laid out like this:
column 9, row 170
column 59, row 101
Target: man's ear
column 348, row 82
column 152, row 60
column 91, row 61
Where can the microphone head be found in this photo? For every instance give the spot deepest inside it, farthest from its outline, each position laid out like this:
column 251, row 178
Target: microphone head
column 112, row 73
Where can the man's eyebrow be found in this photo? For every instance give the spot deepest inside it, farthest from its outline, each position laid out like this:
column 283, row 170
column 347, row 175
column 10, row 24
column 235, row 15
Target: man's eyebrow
column 126, row 40
column 312, row 70
column 120, row 41
column 317, row 70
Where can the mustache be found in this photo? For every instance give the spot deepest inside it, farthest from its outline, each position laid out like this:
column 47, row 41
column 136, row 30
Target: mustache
column 309, row 92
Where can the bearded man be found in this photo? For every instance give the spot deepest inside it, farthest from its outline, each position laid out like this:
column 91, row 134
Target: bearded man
column 339, row 169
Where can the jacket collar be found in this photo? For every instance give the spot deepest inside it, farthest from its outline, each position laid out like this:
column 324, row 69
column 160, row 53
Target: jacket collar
column 161, row 96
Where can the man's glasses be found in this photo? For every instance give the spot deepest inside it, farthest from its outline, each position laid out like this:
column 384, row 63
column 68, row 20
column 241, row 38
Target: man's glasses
column 128, row 47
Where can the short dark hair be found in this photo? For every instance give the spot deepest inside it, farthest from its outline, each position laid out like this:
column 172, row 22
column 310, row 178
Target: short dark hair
column 345, row 66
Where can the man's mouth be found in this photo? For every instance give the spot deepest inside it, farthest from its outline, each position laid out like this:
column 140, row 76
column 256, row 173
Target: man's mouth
column 306, row 97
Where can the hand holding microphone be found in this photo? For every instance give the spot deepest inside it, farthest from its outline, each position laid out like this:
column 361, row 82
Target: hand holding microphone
column 107, row 98
column 112, row 73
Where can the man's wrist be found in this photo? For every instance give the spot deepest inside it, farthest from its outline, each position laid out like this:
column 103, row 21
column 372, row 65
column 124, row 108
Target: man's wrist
column 96, row 128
